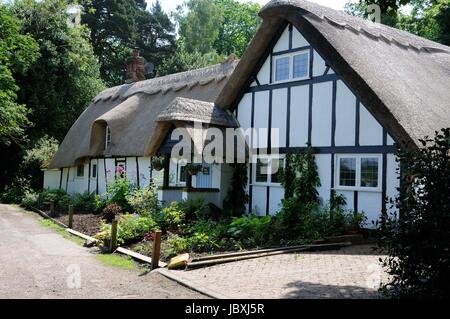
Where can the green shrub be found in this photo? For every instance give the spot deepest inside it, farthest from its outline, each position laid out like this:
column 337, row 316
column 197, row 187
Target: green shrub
column 250, row 230
column 58, row 196
column 178, row 245
column 197, row 242
column 192, row 208
column 211, row 212
column 131, row 228
column 14, row 193
column 100, row 203
column 200, row 242
column 144, row 201
column 118, row 191
column 417, row 241
column 30, row 199
column 85, row 202
column 172, row 218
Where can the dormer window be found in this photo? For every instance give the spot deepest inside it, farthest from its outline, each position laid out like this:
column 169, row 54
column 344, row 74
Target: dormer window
column 291, row 66
column 107, row 137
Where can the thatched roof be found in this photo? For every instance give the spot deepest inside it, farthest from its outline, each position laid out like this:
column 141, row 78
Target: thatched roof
column 131, row 110
column 403, row 79
column 189, row 110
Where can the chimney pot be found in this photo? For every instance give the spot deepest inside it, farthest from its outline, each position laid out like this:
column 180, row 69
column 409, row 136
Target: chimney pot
column 135, row 67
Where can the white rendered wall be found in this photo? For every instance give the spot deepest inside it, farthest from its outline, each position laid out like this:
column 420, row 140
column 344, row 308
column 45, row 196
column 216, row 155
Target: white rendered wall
column 299, row 116
column 245, row 111
column 321, row 114
column 279, row 103
column 323, row 162
column 298, row 41
column 283, row 42
column 345, row 115
column 52, row 179
column 261, row 118
column 370, row 131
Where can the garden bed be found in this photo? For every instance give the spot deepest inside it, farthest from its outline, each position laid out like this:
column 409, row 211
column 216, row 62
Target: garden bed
column 88, row 224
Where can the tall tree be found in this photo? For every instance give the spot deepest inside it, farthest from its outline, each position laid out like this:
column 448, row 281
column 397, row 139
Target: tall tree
column 182, row 60
column 200, row 26
column 119, row 25
column 241, row 22
column 59, row 85
column 225, row 26
column 17, row 52
column 428, row 18
column 62, row 82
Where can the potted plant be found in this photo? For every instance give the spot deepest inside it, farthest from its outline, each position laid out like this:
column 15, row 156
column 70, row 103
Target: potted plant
column 193, row 169
column 158, row 163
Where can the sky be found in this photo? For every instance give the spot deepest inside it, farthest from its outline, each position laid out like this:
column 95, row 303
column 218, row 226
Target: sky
column 170, row 5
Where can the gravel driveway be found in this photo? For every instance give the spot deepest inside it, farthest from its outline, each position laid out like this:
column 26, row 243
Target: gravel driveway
column 37, row 262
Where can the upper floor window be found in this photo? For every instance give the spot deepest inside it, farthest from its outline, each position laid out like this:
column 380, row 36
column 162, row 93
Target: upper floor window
column 107, row 137
column 358, row 172
column 292, row 66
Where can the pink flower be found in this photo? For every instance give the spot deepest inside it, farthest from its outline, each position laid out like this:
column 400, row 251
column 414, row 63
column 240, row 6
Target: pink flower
column 120, row 170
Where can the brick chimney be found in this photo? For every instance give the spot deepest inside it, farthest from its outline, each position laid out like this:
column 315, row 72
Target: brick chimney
column 135, row 67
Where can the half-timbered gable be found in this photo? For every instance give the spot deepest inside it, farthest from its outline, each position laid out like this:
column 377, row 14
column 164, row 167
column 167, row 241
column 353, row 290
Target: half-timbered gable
column 297, row 94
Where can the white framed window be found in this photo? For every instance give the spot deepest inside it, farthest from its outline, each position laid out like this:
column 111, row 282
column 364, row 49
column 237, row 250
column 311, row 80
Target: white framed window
column 291, row 66
column 107, row 137
column 358, row 172
column 267, row 169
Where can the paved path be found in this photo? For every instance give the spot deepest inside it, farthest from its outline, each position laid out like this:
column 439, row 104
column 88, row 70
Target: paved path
column 36, row 262
column 347, row 273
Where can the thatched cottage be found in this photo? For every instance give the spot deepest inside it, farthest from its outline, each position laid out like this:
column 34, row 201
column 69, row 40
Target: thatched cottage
column 351, row 88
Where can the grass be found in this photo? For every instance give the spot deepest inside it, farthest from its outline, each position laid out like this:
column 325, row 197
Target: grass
column 109, row 260
column 116, row 261
column 62, row 231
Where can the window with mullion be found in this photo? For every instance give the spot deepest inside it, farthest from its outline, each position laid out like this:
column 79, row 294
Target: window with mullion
column 301, row 65
column 358, row 172
column 282, row 69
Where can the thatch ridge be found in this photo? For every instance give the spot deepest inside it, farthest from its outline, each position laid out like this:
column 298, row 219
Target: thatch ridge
column 130, row 111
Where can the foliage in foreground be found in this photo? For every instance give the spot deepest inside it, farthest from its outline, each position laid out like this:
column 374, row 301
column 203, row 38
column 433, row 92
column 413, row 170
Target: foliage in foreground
column 418, row 241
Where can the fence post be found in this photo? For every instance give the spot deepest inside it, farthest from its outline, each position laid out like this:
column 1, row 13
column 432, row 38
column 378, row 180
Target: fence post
column 156, row 249
column 70, row 216
column 52, row 208
column 113, row 244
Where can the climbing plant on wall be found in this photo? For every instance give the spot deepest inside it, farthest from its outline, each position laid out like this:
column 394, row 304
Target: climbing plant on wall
column 237, row 196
